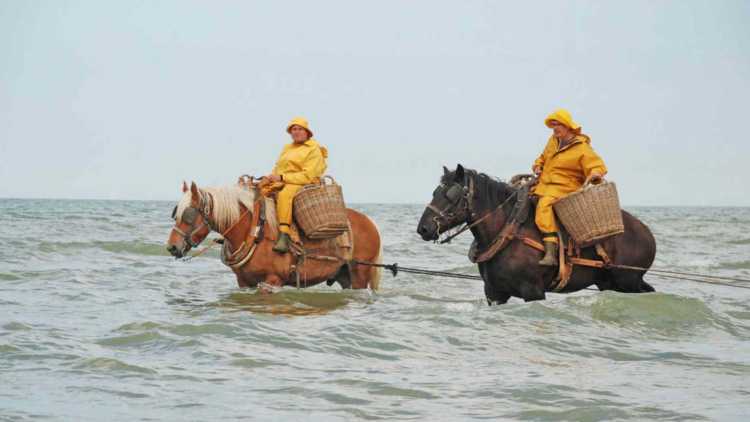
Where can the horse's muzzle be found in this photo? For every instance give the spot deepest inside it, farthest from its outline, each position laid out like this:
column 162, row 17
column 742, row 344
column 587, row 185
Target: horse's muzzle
column 174, row 251
column 426, row 233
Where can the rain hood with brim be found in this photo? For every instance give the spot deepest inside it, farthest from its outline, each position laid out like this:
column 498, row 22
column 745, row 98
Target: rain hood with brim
column 563, row 116
column 301, row 122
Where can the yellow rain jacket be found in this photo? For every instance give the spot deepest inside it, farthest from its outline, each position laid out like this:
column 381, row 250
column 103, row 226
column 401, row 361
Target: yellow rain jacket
column 565, row 170
column 301, row 164
column 298, row 165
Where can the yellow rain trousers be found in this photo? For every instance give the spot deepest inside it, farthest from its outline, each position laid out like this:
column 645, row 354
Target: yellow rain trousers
column 298, row 165
column 563, row 171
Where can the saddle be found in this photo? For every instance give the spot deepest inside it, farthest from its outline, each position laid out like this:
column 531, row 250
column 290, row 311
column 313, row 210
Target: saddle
column 338, row 248
column 524, row 206
column 341, row 246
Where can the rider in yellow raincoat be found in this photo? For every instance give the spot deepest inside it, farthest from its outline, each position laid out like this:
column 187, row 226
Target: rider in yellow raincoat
column 302, row 162
column 565, row 165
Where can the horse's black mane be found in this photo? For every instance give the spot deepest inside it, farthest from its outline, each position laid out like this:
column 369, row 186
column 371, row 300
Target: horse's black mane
column 488, row 191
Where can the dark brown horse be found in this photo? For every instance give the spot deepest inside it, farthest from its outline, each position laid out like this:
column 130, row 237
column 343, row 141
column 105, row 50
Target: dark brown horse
column 515, row 271
column 234, row 212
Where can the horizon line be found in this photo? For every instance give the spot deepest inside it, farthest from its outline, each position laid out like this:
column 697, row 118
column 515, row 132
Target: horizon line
column 353, row 203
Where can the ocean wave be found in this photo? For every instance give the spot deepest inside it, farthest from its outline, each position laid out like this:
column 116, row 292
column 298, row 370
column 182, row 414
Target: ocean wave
column 732, row 265
column 109, row 365
column 131, row 247
column 288, row 301
column 9, row 277
column 653, row 312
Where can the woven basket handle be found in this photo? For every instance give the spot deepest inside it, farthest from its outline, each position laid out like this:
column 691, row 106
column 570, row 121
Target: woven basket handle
column 589, row 185
column 329, row 178
column 321, row 184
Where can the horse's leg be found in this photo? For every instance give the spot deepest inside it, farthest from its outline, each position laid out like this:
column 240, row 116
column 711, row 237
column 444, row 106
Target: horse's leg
column 241, row 282
column 362, row 276
column 343, row 277
column 645, row 287
column 493, row 296
column 531, row 291
column 272, row 284
column 628, row 281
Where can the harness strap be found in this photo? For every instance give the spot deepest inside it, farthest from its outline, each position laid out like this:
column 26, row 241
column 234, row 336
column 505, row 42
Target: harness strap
column 532, row 243
column 245, row 252
column 501, row 241
column 565, row 269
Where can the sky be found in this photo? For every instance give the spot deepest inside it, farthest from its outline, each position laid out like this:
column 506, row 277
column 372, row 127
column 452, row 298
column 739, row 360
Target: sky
column 126, row 99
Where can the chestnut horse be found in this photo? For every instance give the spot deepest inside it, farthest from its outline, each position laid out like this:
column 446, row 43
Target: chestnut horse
column 465, row 196
column 234, row 212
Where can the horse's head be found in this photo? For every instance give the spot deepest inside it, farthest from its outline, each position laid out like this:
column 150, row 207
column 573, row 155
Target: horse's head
column 191, row 221
column 449, row 206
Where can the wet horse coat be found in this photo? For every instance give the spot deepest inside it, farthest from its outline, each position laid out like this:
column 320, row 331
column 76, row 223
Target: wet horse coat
column 234, row 212
column 514, row 271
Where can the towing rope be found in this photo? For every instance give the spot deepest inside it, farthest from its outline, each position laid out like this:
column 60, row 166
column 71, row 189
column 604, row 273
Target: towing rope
column 395, row 268
column 664, row 274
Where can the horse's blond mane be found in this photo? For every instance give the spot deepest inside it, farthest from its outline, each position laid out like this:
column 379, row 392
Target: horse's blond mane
column 226, row 204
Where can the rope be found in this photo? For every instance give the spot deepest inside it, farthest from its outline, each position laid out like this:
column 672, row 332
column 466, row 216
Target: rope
column 739, row 280
column 695, row 280
column 203, row 250
column 395, row 268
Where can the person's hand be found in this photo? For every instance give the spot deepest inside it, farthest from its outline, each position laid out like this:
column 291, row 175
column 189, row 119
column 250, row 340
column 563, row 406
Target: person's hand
column 537, row 170
column 274, row 178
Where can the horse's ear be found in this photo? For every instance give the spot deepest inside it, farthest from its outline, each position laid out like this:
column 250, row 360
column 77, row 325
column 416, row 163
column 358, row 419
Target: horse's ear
column 445, row 171
column 184, row 187
column 459, row 173
column 195, row 195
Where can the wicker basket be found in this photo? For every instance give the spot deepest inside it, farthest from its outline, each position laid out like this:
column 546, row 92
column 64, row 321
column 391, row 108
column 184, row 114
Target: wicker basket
column 591, row 214
column 320, row 210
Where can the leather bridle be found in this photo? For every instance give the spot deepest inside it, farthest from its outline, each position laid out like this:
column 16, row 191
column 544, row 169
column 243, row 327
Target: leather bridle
column 454, row 200
column 189, row 216
column 468, row 208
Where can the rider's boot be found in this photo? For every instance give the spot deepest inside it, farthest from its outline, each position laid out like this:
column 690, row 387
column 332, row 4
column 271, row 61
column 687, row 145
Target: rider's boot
column 282, row 243
column 550, row 254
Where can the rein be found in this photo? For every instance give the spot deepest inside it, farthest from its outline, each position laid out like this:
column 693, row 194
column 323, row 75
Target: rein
column 207, row 201
column 205, row 211
column 468, row 226
column 506, row 234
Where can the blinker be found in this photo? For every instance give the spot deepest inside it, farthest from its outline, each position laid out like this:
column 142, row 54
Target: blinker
column 189, row 215
column 454, row 193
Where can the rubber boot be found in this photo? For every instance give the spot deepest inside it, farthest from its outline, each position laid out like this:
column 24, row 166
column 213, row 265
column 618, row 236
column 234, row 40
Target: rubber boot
column 550, row 255
column 282, row 243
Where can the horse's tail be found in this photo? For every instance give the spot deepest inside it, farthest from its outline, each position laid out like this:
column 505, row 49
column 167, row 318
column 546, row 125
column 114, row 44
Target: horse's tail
column 377, row 272
column 375, row 280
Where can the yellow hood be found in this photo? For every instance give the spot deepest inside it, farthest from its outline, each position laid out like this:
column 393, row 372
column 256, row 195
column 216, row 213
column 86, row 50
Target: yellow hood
column 323, row 150
column 301, row 122
column 563, row 116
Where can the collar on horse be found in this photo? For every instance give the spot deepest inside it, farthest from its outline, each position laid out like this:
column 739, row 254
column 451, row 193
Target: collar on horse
column 246, row 250
column 519, row 194
column 515, row 218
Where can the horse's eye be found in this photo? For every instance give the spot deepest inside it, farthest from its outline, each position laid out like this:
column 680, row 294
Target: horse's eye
column 454, row 193
column 174, row 212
